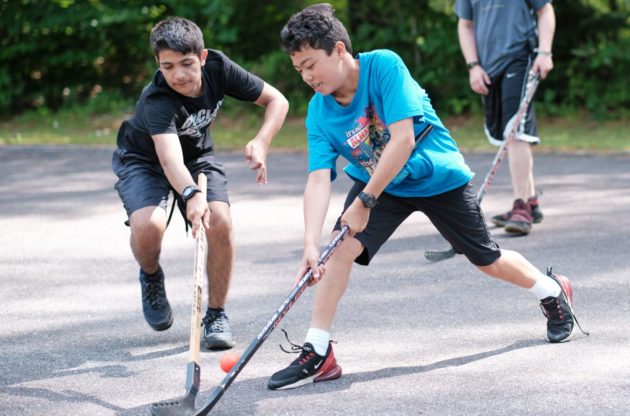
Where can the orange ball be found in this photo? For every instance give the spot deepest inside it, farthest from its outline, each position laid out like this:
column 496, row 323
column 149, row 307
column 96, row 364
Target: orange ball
column 228, row 360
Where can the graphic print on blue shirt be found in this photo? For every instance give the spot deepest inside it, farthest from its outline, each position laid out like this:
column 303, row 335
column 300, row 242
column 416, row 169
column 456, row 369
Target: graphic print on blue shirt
column 367, row 140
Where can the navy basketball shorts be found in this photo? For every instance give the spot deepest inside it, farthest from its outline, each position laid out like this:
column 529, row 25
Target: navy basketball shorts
column 502, row 101
column 142, row 183
column 456, row 215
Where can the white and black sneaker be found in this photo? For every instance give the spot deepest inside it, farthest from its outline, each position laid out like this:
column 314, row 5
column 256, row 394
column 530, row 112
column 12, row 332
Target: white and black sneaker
column 309, row 367
column 561, row 320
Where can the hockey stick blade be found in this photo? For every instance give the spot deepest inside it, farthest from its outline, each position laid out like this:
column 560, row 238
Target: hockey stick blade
column 439, row 255
column 297, row 290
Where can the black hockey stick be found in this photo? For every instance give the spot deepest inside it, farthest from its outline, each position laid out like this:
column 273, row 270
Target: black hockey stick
column 298, row 289
column 186, row 405
column 513, row 126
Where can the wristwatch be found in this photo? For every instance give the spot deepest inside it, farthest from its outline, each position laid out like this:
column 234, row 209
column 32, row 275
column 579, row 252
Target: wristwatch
column 189, row 191
column 369, row 200
column 471, row 65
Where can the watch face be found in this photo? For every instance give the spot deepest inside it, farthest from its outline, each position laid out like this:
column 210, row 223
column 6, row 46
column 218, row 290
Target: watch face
column 188, row 192
column 369, row 201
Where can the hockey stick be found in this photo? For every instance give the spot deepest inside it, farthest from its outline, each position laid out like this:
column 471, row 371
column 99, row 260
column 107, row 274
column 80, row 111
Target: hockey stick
column 513, row 126
column 270, row 326
column 186, row 405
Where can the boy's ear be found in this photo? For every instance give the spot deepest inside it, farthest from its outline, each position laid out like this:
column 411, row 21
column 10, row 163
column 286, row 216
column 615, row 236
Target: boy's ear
column 204, row 55
column 340, row 47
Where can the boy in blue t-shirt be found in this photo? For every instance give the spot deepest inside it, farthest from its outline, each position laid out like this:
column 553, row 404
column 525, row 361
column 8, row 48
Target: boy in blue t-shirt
column 369, row 110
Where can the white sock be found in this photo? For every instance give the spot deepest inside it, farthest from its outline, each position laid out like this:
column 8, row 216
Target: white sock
column 319, row 339
column 545, row 287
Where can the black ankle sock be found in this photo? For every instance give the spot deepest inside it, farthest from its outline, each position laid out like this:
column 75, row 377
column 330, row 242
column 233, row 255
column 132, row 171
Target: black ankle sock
column 216, row 311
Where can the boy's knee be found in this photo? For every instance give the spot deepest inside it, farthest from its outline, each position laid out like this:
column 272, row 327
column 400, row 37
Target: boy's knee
column 349, row 250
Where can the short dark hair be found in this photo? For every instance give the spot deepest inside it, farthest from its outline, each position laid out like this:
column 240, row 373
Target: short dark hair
column 177, row 34
column 315, row 26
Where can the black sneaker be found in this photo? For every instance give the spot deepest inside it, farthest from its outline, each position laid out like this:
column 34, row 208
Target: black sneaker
column 559, row 311
column 155, row 306
column 309, row 367
column 217, row 334
column 537, row 215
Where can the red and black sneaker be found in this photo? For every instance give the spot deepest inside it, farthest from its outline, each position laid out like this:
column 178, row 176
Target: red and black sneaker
column 309, row 367
column 537, row 215
column 521, row 220
column 559, row 311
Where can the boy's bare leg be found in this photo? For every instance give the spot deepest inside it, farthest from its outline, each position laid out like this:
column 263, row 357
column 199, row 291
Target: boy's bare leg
column 521, row 163
column 147, row 229
column 512, row 267
column 220, row 254
column 334, row 283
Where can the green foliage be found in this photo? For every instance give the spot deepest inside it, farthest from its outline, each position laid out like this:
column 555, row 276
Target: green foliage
column 60, row 53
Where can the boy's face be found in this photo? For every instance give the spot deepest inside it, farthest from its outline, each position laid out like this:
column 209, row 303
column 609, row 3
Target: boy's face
column 322, row 72
column 182, row 71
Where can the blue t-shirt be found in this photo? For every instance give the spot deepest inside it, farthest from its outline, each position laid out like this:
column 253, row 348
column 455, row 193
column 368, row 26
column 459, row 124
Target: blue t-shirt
column 359, row 132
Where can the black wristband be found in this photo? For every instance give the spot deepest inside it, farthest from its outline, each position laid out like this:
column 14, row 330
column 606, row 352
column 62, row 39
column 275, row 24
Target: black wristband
column 471, row 65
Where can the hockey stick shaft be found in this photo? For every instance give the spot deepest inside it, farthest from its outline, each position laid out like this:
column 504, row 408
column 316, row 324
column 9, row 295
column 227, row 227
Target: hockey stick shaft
column 517, row 120
column 297, row 291
column 192, row 380
column 186, row 404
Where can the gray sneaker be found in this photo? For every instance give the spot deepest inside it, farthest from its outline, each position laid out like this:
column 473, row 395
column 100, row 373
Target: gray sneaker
column 217, row 334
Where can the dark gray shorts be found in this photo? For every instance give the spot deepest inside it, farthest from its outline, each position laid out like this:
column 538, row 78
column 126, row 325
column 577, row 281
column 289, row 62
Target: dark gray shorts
column 502, row 101
column 142, row 183
column 456, row 215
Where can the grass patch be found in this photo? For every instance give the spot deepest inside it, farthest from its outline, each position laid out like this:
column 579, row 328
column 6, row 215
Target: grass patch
column 233, row 129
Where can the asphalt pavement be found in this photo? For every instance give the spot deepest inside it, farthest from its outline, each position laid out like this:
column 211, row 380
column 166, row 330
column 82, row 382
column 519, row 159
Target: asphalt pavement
column 413, row 337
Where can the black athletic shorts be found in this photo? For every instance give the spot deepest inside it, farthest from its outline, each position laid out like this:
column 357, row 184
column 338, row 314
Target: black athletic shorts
column 456, row 215
column 502, row 101
column 142, row 183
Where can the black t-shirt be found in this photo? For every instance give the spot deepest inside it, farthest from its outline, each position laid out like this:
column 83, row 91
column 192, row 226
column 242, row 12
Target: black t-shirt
column 161, row 110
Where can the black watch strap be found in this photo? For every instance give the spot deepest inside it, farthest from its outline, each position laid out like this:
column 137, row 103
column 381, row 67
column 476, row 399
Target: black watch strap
column 368, row 200
column 189, row 191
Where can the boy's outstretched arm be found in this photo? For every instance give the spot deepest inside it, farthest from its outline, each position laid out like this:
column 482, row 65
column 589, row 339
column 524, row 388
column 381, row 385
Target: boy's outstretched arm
column 394, row 157
column 276, row 108
column 316, row 201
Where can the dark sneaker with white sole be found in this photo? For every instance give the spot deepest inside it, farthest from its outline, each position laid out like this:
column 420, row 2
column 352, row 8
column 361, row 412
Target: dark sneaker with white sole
column 537, row 215
column 155, row 306
column 559, row 311
column 309, row 367
column 217, row 334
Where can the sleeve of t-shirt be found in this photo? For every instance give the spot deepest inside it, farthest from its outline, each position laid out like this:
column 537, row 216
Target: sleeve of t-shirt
column 321, row 153
column 401, row 94
column 537, row 4
column 159, row 116
column 240, row 83
column 463, row 9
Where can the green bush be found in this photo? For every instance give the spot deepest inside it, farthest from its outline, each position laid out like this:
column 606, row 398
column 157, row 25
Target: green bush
column 60, row 53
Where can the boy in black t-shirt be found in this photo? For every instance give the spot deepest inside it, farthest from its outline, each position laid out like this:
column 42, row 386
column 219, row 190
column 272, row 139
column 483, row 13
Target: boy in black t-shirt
column 164, row 147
